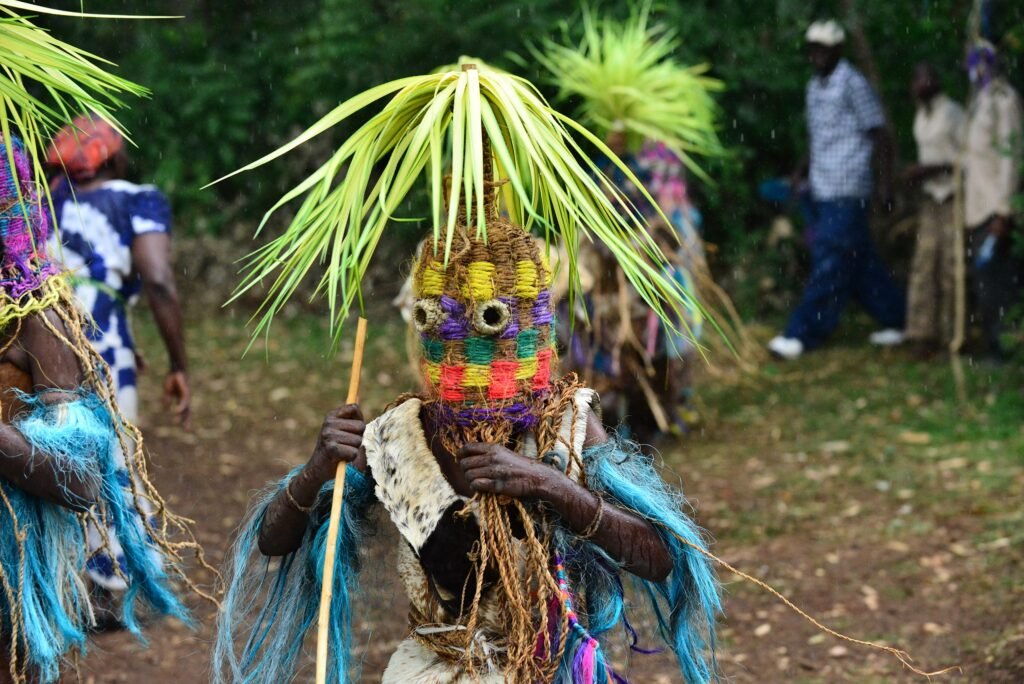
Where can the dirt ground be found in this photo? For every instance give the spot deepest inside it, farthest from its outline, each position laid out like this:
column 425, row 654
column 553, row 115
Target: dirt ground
column 853, row 483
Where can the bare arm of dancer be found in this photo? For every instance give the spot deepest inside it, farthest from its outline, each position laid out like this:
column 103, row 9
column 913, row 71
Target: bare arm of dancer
column 622, row 534
column 340, row 441
column 151, row 257
column 53, row 368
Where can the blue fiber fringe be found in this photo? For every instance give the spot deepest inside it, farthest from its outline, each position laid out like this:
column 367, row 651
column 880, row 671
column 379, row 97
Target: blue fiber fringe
column 685, row 604
column 270, row 604
column 79, row 436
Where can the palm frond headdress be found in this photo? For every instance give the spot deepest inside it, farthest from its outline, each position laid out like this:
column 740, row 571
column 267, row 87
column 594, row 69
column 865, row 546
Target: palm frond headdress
column 452, row 117
column 628, row 79
column 45, row 82
column 483, row 310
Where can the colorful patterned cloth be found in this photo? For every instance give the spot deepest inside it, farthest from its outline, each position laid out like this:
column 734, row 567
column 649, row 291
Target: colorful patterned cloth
column 24, row 227
column 98, row 228
column 84, row 147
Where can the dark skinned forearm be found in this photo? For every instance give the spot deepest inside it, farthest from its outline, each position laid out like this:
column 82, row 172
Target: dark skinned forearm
column 37, row 474
column 625, row 536
column 151, row 258
column 284, row 526
column 163, row 301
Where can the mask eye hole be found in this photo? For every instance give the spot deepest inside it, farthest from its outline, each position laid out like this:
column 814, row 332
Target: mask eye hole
column 492, row 317
column 427, row 315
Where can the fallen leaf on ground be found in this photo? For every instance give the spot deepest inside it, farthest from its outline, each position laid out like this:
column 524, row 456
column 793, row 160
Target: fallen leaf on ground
column 953, row 463
column 870, row 597
column 851, row 511
column 960, row 549
column 934, row 628
column 909, row 437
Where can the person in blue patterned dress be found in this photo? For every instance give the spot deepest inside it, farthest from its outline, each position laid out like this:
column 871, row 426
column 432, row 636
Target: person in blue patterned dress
column 115, row 239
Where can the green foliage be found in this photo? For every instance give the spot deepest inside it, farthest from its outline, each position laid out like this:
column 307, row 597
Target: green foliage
column 428, row 123
column 45, row 82
column 237, row 78
column 625, row 74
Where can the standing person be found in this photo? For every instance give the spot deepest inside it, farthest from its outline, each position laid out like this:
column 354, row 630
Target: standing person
column 846, row 125
column 62, row 460
column 644, row 368
column 657, row 115
column 992, row 161
column 512, row 502
column 938, row 132
column 116, row 239
column 116, row 242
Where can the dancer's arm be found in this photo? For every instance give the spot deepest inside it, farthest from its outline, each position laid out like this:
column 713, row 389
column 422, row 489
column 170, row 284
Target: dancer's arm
column 340, row 441
column 151, row 258
column 54, row 369
column 625, row 536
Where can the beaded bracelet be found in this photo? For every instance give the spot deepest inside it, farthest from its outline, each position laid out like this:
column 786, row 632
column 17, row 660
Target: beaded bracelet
column 305, row 510
column 595, row 524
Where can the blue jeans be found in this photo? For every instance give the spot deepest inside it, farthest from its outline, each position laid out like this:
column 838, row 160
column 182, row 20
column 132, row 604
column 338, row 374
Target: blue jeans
column 844, row 263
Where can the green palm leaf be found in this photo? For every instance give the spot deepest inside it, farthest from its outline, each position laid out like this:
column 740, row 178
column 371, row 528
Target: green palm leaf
column 45, row 82
column 627, row 77
column 551, row 186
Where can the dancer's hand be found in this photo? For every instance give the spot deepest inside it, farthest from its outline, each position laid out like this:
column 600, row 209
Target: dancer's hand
column 494, row 469
column 178, row 397
column 340, row 441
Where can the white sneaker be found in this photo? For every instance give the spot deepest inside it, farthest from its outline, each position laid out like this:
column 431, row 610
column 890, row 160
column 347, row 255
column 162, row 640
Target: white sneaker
column 890, row 337
column 788, row 348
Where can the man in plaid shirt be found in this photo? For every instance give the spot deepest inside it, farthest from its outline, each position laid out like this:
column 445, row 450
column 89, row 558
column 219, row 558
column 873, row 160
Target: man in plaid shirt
column 846, row 126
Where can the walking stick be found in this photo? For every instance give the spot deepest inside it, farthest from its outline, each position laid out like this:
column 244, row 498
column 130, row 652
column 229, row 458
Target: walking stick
column 960, row 290
column 324, row 621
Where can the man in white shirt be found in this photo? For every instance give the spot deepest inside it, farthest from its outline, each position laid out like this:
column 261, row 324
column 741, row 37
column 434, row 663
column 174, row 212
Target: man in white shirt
column 993, row 154
column 938, row 132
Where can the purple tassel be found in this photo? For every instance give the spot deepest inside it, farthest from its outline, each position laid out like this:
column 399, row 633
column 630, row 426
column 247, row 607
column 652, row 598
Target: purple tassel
column 583, row 664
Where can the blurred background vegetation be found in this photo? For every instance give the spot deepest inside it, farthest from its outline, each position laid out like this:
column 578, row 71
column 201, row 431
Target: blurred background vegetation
column 235, row 78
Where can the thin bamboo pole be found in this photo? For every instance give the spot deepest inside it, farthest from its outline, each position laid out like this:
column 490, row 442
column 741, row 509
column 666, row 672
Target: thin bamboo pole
column 324, row 621
column 960, row 291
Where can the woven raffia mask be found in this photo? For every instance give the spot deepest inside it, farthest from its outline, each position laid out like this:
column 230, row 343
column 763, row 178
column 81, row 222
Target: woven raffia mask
column 486, row 327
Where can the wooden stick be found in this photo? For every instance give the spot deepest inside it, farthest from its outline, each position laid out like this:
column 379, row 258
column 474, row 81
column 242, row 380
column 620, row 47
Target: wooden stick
column 960, row 291
column 324, row 621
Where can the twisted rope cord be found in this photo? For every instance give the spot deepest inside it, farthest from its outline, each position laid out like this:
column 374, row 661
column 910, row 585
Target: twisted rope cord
column 900, row 654
column 18, row 675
